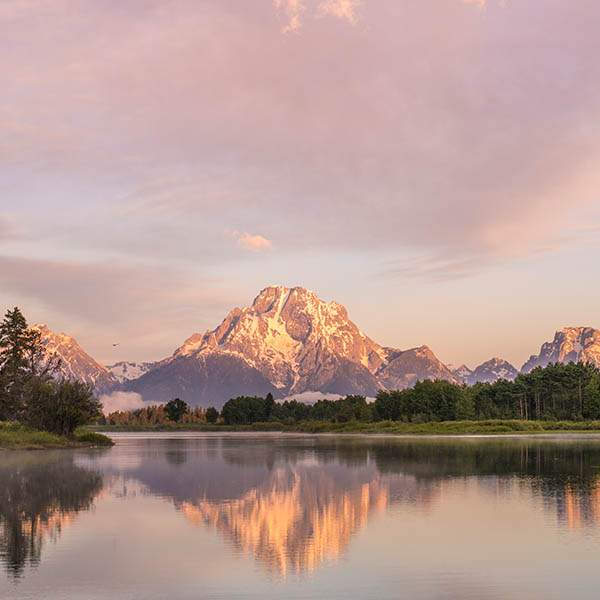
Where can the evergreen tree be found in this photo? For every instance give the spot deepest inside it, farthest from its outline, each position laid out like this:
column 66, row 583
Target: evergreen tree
column 591, row 399
column 212, row 414
column 14, row 343
column 175, row 409
column 465, row 407
column 269, row 404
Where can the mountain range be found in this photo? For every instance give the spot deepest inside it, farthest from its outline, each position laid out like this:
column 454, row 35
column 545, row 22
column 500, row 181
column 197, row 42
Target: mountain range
column 291, row 343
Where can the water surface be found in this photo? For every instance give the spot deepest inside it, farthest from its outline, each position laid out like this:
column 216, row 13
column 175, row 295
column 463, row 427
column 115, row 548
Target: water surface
column 270, row 516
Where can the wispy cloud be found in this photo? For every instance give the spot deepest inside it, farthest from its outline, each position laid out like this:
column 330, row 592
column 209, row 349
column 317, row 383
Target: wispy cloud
column 434, row 268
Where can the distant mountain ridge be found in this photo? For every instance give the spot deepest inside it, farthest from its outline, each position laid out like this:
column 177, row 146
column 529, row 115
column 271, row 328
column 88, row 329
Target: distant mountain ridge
column 290, row 342
column 492, row 370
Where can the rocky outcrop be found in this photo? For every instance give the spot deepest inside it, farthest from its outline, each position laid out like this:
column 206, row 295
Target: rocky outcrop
column 569, row 344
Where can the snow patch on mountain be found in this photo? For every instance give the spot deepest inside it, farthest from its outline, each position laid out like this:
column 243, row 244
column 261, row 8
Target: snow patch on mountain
column 491, row 371
column 461, row 373
column 126, row 371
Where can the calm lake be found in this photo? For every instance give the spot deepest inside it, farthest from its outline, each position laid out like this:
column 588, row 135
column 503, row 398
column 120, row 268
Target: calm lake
column 169, row 516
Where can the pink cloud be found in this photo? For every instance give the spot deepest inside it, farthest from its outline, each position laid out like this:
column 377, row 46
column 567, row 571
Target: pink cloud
column 255, row 243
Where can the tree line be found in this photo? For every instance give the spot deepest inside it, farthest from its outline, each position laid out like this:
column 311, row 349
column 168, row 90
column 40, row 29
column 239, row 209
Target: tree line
column 555, row 392
column 31, row 389
column 174, row 411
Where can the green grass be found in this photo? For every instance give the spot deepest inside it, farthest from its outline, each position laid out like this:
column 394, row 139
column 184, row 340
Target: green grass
column 14, row 436
column 188, row 427
column 383, row 427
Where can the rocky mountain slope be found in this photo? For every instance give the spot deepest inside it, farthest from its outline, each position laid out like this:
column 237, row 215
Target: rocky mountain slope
column 461, row 373
column 404, row 368
column 126, row 371
column 569, row 344
column 288, row 342
column 75, row 363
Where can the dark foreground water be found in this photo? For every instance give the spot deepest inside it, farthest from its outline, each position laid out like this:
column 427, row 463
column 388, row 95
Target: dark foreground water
column 268, row 516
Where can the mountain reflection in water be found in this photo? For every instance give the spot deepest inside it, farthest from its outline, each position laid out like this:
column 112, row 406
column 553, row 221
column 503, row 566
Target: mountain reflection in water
column 295, row 520
column 295, row 504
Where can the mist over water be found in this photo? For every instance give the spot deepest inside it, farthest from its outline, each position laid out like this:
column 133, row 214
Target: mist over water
column 266, row 516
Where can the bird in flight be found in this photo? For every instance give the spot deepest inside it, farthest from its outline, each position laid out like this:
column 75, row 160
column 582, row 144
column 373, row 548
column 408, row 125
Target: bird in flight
column 115, row 344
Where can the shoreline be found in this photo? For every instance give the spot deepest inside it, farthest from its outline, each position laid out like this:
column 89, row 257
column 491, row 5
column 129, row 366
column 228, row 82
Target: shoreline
column 14, row 436
column 397, row 428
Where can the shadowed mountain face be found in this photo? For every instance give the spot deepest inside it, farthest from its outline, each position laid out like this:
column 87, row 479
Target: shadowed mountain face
column 208, row 379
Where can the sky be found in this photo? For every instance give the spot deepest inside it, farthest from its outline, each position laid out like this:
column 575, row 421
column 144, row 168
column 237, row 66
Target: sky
column 432, row 165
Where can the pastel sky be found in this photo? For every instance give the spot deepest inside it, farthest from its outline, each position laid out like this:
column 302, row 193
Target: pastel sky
column 433, row 165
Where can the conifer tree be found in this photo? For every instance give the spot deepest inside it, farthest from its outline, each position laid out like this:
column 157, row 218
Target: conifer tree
column 14, row 342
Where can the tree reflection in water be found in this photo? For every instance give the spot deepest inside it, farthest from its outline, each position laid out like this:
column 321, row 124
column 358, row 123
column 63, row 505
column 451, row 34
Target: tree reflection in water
column 39, row 495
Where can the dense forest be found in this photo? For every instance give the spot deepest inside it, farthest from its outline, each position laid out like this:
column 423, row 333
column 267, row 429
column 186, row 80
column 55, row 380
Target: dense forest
column 555, row 392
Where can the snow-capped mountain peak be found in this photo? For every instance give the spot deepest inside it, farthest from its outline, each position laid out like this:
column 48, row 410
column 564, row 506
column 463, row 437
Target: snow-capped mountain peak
column 126, row 371
column 461, row 372
column 281, row 333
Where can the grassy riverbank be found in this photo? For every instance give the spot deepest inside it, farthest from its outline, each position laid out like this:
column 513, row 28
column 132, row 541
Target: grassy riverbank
column 382, row 427
column 14, row 436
